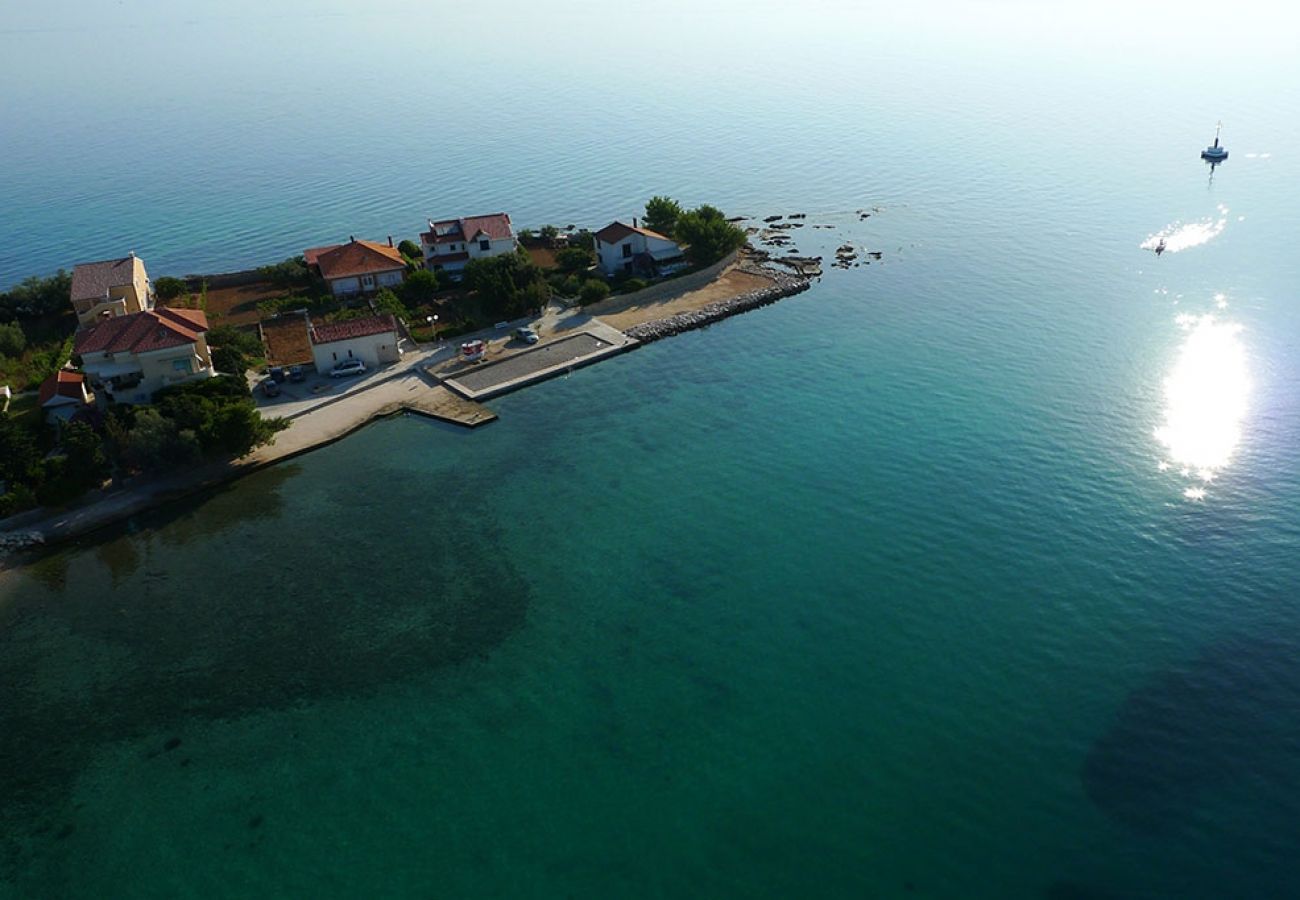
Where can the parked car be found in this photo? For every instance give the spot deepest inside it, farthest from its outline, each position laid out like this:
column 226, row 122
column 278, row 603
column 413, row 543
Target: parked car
column 277, row 373
column 527, row 335
column 271, row 388
column 348, row 367
column 296, row 373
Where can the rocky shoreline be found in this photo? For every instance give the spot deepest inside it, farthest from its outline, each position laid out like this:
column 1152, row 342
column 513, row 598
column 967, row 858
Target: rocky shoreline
column 784, row 284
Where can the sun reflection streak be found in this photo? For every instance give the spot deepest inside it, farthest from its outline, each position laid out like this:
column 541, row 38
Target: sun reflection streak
column 1206, row 396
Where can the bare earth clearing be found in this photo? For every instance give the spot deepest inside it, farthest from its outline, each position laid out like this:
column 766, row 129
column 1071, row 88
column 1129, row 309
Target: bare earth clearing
column 624, row 312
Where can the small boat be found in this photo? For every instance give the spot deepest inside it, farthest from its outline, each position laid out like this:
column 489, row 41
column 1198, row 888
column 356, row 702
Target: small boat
column 1215, row 153
column 473, row 351
column 1160, row 247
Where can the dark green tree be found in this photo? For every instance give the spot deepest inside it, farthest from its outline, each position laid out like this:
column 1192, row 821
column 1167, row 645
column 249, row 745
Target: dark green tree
column 19, row 455
column 420, row 288
column 168, row 288
column 661, row 214
column 12, row 339
column 410, row 249
column 36, row 297
column 708, row 235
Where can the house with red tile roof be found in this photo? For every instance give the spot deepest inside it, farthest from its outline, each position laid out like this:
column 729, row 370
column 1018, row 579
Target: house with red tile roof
column 129, row 357
column 357, row 267
column 64, row 394
column 450, row 244
column 373, row 340
column 629, row 248
column 114, row 287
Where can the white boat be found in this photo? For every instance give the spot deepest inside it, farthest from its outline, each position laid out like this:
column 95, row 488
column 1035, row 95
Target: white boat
column 1215, row 153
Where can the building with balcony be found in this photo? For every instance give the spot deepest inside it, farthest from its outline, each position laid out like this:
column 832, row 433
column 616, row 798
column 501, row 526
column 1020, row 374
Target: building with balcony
column 130, row 357
column 114, row 287
column 449, row 245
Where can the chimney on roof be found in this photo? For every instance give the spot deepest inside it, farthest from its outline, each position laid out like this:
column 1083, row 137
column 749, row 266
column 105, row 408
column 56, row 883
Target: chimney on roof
column 131, row 253
column 352, row 238
column 390, row 240
column 634, row 221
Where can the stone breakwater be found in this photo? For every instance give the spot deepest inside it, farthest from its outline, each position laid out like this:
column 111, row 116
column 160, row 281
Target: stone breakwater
column 14, row 541
column 783, row 284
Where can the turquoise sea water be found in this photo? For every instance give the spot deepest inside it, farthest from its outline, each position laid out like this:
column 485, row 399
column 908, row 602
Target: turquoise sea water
column 890, row 589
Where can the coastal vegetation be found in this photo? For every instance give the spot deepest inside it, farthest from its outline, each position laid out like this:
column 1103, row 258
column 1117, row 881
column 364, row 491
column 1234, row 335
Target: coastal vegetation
column 187, row 424
column 507, row 286
column 291, row 273
column 234, row 351
column 661, row 214
column 36, row 324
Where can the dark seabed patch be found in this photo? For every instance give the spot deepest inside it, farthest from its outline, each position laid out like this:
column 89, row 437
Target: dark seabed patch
column 1230, row 716
column 131, row 639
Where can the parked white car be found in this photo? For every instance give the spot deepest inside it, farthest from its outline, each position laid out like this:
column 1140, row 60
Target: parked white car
column 348, row 367
column 526, row 334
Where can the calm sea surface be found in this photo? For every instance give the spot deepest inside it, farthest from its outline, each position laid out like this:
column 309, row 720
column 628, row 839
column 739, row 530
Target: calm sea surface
column 971, row 572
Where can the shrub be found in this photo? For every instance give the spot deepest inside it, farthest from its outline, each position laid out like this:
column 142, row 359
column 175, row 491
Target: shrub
column 293, row 272
column 229, row 336
column 230, row 361
column 593, row 291
column 12, row 340
column 409, row 249
column 548, row 234
column 168, row 288
column 387, row 302
column 574, row 259
column 633, row 284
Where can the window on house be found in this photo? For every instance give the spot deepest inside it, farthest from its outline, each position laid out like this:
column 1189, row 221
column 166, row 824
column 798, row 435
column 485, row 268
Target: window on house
column 485, row 245
column 368, row 280
column 181, row 365
column 627, row 250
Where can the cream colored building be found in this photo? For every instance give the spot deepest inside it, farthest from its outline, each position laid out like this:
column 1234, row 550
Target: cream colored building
column 129, row 357
column 373, row 340
column 115, row 287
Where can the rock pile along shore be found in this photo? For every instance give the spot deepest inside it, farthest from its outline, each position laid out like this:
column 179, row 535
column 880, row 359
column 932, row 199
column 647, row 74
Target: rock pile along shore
column 784, row 284
column 14, row 541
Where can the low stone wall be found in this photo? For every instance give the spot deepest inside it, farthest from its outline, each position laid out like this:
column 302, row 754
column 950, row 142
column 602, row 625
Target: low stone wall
column 224, row 279
column 784, row 284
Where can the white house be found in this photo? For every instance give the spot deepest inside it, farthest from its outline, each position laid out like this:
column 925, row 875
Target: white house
column 373, row 340
column 450, row 244
column 357, row 267
column 63, row 395
column 627, row 248
column 129, row 357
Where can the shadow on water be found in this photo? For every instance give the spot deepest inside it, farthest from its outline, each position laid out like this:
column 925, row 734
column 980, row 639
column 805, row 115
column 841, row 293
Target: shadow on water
column 133, row 634
column 1231, row 716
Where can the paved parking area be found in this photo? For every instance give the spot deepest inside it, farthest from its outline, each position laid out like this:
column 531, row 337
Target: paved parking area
column 536, row 364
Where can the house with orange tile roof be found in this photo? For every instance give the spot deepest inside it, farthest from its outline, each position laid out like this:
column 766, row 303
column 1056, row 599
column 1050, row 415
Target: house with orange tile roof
column 357, row 267
column 114, row 287
column 63, row 395
column 634, row 250
column 130, row 357
column 449, row 245
column 372, row 339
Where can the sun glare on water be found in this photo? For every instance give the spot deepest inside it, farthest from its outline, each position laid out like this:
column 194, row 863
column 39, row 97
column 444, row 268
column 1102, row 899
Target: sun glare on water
column 1206, row 395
